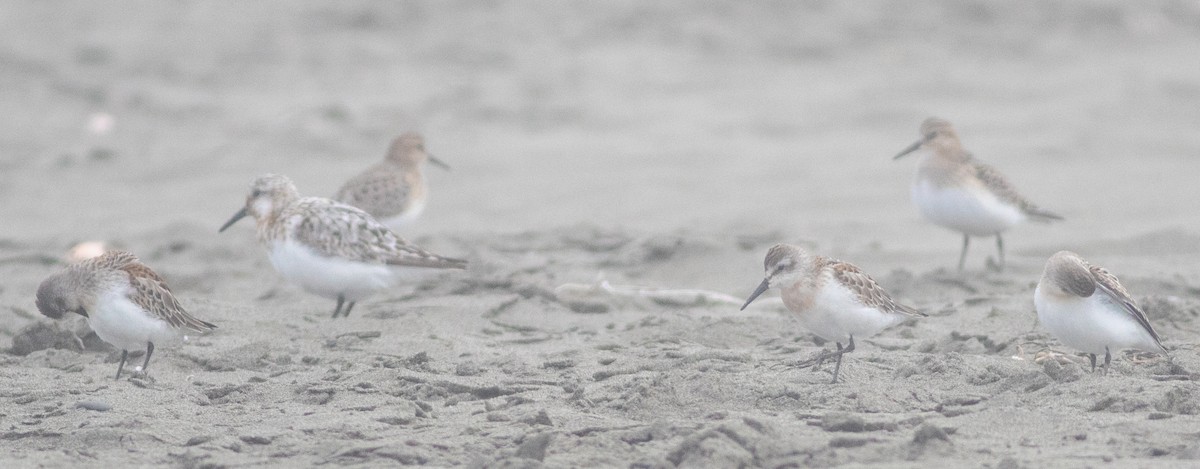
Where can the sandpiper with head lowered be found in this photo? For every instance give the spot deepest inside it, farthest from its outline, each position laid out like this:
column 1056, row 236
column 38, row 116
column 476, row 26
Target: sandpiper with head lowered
column 835, row 300
column 329, row 248
column 954, row 190
column 393, row 190
column 1087, row 309
column 126, row 304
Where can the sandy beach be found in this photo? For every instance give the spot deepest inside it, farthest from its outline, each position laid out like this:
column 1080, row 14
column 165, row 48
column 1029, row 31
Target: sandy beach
column 600, row 153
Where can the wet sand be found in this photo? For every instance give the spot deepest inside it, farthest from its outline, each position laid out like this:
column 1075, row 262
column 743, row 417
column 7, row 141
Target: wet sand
column 663, row 146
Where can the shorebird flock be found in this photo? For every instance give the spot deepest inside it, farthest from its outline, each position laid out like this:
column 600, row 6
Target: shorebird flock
column 346, row 249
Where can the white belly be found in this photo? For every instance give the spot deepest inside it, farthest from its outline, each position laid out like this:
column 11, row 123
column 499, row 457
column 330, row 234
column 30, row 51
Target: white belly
column 332, row 277
column 836, row 315
column 1091, row 324
column 967, row 209
column 125, row 325
column 409, row 215
column 329, row 277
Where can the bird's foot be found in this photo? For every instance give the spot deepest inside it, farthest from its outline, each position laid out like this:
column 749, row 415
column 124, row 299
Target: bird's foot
column 816, row 361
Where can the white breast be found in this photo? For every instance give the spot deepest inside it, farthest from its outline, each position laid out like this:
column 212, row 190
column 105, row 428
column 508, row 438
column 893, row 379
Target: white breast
column 1091, row 324
column 125, row 325
column 329, row 276
column 410, row 214
column 836, row 314
column 970, row 209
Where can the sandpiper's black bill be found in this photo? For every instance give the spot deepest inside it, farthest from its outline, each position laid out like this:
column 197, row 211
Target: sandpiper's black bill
column 439, row 163
column 237, row 216
column 910, row 149
column 762, row 287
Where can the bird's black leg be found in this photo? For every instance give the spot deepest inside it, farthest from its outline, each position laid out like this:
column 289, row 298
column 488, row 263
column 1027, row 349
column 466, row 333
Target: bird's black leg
column 124, row 355
column 338, row 309
column 1000, row 249
column 838, row 366
column 346, row 313
column 149, row 352
column 962, row 258
column 841, row 351
column 1107, row 360
column 1092, row 357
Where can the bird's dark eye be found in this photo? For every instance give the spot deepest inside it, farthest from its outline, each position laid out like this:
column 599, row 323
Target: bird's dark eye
column 930, row 135
column 255, row 193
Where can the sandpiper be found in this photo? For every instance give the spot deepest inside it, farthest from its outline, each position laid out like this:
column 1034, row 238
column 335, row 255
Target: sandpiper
column 126, row 303
column 393, row 191
column 1087, row 309
column 954, row 190
column 329, row 248
column 835, row 300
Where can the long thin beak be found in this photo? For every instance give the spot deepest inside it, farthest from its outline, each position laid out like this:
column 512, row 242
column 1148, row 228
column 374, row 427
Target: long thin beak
column 438, row 162
column 910, row 149
column 762, row 287
column 237, row 216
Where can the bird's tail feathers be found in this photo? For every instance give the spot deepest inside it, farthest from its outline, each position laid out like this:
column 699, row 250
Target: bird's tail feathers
column 1042, row 216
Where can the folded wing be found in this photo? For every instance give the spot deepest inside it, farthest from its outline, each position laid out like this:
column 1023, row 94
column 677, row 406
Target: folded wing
column 1112, row 287
column 869, row 292
column 347, row 232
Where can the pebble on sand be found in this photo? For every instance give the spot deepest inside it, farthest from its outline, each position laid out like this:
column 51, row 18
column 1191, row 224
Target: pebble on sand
column 97, row 406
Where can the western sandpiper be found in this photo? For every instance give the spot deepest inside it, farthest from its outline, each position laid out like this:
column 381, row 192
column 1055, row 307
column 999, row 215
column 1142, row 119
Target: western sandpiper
column 1087, row 309
column 329, row 248
column 835, row 300
column 126, row 303
column 954, row 190
column 393, row 191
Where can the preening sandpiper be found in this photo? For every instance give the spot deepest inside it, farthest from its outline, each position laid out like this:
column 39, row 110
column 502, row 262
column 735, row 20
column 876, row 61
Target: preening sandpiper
column 126, row 303
column 1087, row 309
column 329, row 248
column 954, row 190
column 835, row 300
column 394, row 190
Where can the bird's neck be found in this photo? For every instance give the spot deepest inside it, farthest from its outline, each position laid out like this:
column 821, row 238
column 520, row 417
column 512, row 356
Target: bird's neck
column 269, row 227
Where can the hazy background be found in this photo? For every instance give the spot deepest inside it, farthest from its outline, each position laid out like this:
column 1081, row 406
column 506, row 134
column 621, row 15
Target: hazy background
column 650, row 116
column 663, row 144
